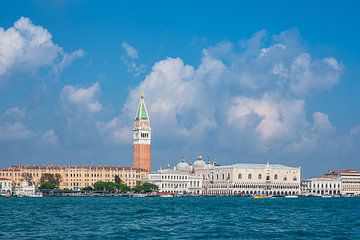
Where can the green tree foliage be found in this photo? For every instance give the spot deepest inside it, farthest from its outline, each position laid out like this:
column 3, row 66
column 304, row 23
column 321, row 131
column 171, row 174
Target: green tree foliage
column 87, row 188
column 49, row 181
column 149, row 187
column 104, row 186
column 146, row 188
column 120, row 187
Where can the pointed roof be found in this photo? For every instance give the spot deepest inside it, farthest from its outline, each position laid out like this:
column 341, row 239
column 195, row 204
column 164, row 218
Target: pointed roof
column 142, row 113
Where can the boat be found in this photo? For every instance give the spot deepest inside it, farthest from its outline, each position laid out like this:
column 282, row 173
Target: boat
column 167, row 195
column 259, row 196
column 291, row 196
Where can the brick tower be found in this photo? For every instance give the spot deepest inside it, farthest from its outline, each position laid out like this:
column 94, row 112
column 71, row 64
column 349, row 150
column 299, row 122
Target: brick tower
column 142, row 137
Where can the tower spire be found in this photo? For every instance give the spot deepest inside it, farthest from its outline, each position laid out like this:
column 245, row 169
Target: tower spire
column 142, row 136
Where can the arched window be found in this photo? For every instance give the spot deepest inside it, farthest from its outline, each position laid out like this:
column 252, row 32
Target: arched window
column 249, row 176
column 239, row 176
column 276, row 177
column 285, row 178
column 267, row 178
column 259, row 176
column 223, row 176
column 295, row 178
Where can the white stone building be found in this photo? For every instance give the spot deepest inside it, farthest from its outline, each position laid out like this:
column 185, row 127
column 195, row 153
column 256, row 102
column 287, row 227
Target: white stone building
column 237, row 179
column 321, row 186
column 177, row 180
column 25, row 189
column 5, row 186
column 248, row 179
column 342, row 182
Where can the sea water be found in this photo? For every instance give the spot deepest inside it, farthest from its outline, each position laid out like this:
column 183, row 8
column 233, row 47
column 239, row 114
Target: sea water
column 179, row 218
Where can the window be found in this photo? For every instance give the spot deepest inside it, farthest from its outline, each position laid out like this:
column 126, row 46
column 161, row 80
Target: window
column 267, row 178
column 239, row 176
column 276, row 177
column 249, row 176
column 259, row 176
column 285, row 178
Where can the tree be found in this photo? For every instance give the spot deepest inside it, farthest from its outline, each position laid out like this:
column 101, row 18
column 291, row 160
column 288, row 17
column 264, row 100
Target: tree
column 104, row 186
column 87, row 189
column 49, row 181
column 120, row 187
column 138, row 189
column 146, row 188
column 149, row 187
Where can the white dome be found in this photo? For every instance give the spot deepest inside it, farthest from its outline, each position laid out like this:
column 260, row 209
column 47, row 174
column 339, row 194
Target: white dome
column 183, row 166
column 199, row 163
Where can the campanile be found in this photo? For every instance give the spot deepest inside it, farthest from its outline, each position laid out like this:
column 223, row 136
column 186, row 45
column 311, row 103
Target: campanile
column 142, row 137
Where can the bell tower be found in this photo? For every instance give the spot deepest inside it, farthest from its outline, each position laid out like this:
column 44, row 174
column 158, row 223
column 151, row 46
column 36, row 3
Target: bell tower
column 142, row 137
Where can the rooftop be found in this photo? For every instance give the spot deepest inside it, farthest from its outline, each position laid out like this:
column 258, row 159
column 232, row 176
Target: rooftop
column 49, row 167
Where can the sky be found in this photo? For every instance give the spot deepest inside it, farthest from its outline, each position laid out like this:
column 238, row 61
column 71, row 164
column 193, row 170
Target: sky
column 234, row 81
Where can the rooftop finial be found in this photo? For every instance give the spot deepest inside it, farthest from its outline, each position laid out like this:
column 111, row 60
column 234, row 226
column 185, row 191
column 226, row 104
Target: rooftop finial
column 142, row 94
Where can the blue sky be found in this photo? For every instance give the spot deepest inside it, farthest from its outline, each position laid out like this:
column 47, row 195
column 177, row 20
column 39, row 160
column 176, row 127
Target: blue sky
column 238, row 81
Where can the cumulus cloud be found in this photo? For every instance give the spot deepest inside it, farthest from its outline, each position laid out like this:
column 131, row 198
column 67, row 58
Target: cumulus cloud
column 84, row 99
column 254, row 90
column 50, row 137
column 26, row 47
column 129, row 59
column 130, row 50
column 11, row 126
column 14, row 113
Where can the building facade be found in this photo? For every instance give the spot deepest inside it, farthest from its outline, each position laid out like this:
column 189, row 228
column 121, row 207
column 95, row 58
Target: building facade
column 236, row 179
column 142, row 138
column 5, row 186
column 249, row 179
column 179, row 180
column 321, row 186
column 25, row 189
column 338, row 182
column 75, row 177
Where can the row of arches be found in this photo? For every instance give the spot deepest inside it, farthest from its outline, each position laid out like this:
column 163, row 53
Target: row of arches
column 250, row 193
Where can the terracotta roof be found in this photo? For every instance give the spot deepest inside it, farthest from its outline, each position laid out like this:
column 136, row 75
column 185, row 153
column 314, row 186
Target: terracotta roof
column 18, row 168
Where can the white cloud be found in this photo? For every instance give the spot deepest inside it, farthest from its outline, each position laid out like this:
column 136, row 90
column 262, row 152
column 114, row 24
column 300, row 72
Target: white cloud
column 256, row 93
column 13, row 131
column 131, row 54
column 26, row 47
column 50, row 137
column 14, row 113
column 130, row 50
column 84, row 99
column 68, row 58
column 270, row 117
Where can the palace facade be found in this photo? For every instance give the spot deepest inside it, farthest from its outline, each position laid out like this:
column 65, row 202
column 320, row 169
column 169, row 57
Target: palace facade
column 236, row 179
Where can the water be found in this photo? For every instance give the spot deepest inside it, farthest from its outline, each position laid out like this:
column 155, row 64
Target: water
column 179, row 218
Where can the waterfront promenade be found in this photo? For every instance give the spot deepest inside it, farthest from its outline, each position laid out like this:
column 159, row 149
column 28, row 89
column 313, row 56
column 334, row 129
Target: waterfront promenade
column 179, row 218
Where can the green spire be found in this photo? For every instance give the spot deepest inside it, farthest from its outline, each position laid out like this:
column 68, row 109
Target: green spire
column 142, row 113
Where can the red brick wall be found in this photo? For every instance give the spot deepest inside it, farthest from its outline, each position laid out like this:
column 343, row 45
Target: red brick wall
column 142, row 156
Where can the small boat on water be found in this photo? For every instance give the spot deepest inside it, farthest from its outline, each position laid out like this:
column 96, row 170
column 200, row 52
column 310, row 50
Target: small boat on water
column 292, row 196
column 259, row 196
column 167, row 196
